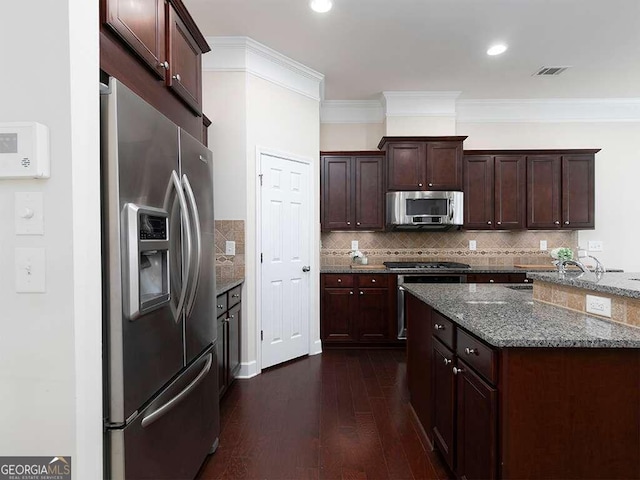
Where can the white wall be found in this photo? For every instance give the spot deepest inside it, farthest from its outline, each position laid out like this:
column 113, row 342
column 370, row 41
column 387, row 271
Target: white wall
column 617, row 173
column 350, row 136
column 50, row 343
column 432, row 126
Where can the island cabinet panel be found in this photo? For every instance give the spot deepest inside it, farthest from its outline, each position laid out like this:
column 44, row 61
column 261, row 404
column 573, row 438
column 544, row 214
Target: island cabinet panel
column 476, row 417
column 358, row 310
column 570, row 413
column 419, row 345
column 407, row 166
column 352, row 189
column 443, row 402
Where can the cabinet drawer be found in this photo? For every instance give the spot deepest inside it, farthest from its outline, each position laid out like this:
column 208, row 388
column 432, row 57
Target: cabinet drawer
column 488, row 278
column 519, row 278
column 221, row 304
column 369, row 280
column 477, row 354
column 442, row 328
column 337, row 280
column 234, row 295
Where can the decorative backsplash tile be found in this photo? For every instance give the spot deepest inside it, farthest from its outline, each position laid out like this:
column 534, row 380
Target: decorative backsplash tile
column 493, row 248
column 229, row 267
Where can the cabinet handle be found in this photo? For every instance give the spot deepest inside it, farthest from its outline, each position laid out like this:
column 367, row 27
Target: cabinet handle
column 177, row 77
column 339, row 280
column 164, row 65
column 447, row 361
column 361, row 292
column 471, row 351
column 220, row 307
column 456, row 371
column 235, row 295
column 489, row 222
column 556, row 222
column 373, row 280
column 566, row 222
column 431, row 184
column 419, row 184
column 491, row 281
column 437, row 326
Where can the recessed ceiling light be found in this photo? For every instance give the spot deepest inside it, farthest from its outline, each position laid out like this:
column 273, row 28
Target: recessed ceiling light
column 321, row 6
column 497, row 49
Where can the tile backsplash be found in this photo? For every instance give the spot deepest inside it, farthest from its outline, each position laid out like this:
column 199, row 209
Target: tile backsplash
column 229, row 267
column 493, row 248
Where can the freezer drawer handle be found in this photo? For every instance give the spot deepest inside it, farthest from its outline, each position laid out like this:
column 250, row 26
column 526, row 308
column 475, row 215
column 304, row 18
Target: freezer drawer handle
column 195, row 280
column 175, row 183
column 164, row 409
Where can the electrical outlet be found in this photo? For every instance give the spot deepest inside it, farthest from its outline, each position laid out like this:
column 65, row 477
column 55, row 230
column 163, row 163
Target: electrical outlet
column 595, row 246
column 543, row 245
column 472, row 245
column 354, row 244
column 599, row 305
column 230, row 248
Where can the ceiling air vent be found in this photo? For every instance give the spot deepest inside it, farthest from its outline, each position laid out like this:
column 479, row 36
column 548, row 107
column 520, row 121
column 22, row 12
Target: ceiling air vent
column 549, row 71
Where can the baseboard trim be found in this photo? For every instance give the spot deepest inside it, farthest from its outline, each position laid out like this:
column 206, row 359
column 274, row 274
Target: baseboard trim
column 248, row 369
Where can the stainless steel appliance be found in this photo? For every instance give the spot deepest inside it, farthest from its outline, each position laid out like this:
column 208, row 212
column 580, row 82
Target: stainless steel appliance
column 161, row 388
column 425, row 210
column 439, row 272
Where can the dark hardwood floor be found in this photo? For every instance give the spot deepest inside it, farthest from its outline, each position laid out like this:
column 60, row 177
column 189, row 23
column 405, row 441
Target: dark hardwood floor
column 339, row 415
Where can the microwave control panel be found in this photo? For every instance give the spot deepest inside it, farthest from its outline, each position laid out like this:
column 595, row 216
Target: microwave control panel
column 24, row 150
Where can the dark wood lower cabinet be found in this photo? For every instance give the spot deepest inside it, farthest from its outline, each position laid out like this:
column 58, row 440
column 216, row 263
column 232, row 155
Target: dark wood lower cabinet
column 337, row 323
column 443, row 400
column 372, row 316
column 228, row 344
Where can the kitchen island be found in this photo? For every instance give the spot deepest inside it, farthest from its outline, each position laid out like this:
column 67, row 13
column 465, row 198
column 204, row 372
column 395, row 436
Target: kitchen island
column 508, row 387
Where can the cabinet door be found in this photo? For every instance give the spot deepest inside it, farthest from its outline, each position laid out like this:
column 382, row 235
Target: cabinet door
column 443, row 400
column 510, row 192
column 337, row 210
column 185, row 67
column 372, row 314
column 233, row 328
column 477, row 424
column 488, row 278
column 543, row 191
column 444, row 166
column 419, row 339
column 221, row 354
column 578, row 191
column 478, row 191
column 336, row 323
column 407, row 166
column 140, row 23
column 369, row 193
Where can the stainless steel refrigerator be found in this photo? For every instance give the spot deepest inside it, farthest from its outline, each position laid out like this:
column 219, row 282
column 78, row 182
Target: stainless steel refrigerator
column 160, row 367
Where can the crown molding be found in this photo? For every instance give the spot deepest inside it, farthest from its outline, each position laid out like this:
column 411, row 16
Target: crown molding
column 243, row 54
column 549, row 110
column 351, row 111
column 420, row 104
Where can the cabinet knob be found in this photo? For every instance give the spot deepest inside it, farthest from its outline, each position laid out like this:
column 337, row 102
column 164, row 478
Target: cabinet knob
column 220, row 307
column 373, row 280
column 226, row 320
column 489, row 222
column 177, row 77
column 419, row 184
column 164, row 65
column 491, row 281
column 431, row 184
column 235, row 295
column 499, row 223
column 358, row 223
column 348, row 223
column 566, row 222
column 350, row 293
column 447, row 361
column 556, row 222
column 437, row 326
column 232, row 316
column 526, row 280
column 456, row 371
column 361, row 292
column 471, row 351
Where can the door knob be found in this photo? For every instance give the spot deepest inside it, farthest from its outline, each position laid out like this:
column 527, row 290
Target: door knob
column 306, row 268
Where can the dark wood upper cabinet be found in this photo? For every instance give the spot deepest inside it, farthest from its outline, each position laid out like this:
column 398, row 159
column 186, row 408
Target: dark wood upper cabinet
column 352, row 186
column 184, row 75
column 495, row 192
column 141, row 24
column 561, row 190
column 423, row 163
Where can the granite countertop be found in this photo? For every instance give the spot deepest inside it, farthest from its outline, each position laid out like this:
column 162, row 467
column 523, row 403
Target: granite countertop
column 623, row 284
column 473, row 269
column 223, row 286
column 504, row 317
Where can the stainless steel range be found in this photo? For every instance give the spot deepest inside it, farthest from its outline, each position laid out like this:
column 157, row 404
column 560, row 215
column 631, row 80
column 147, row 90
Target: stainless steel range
column 425, row 272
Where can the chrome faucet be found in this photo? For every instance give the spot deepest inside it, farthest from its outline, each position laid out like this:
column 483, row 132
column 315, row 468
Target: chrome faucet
column 562, row 263
column 599, row 267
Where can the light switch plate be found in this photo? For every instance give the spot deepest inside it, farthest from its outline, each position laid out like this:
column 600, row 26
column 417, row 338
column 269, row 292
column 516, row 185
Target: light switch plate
column 29, row 216
column 230, row 247
column 354, row 244
column 595, row 246
column 598, row 305
column 30, row 270
column 543, row 245
column 472, row 245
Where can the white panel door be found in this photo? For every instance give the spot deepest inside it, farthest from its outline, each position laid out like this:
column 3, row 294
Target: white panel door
column 286, row 254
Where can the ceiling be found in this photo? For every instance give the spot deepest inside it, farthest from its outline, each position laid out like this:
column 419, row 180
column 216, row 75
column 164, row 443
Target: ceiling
column 364, row 47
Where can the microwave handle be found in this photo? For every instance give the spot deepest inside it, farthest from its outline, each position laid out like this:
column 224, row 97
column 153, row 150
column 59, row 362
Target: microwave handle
column 451, row 210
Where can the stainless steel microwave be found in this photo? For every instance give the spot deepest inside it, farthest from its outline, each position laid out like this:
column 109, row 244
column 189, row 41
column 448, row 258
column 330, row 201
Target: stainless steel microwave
column 425, row 210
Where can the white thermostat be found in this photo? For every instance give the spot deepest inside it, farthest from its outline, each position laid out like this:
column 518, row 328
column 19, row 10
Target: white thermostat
column 24, row 150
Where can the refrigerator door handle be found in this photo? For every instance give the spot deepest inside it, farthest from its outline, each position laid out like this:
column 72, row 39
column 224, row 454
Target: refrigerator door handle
column 174, row 184
column 198, row 241
column 166, row 408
